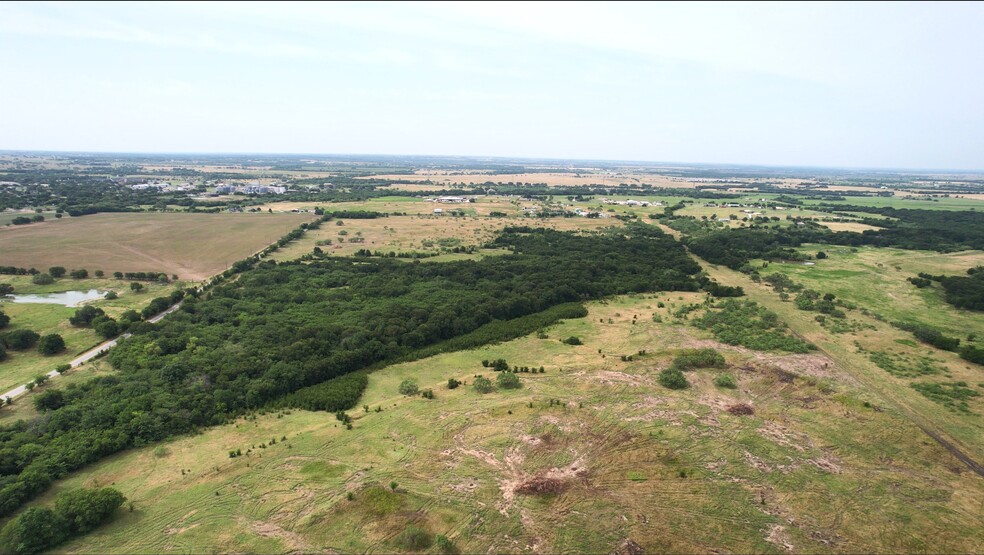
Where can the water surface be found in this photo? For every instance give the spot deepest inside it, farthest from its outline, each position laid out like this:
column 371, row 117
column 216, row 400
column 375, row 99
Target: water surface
column 65, row 298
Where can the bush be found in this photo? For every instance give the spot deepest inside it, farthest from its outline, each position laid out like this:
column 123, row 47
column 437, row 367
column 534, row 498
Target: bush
column 573, row 340
column 51, row 344
column 3, row 351
column 111, row 295
column 972, row 354
column 726, row 381
column 409, row 387
column 4, row 320
column 79, row 274
column 57, row 271
column 414, row 538
column 453, row 383
column 427, row 394
column 508, row 380
column 42, row 279
column 673, row 378
column 699, row 358
column 444, row 544
column 483, row 385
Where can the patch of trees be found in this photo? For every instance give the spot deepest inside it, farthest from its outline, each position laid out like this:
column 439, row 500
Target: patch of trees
column 965, row 291
column 698, row 358
column 19, row 340
column 746, row 323
column 75, row 513
column 282, row 327
column 341, row 393
column 4, row 320
column 15, row 271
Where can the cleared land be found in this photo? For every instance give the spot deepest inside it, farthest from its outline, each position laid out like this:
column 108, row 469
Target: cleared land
column 193, row 246
column 812, row 470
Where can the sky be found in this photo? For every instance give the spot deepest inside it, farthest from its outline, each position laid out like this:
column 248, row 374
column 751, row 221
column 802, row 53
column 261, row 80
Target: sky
column 873, row 85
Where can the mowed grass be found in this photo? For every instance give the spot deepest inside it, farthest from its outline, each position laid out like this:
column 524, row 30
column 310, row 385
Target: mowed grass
column 813, row 470
column 21, row 367
column 192, row 246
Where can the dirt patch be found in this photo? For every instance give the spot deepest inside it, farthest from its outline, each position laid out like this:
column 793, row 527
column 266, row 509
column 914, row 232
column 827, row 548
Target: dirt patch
column 741, row 409
column 628, row 547
column 784, row 436
column 292, row 540
column 542, row 485
column 777, row 536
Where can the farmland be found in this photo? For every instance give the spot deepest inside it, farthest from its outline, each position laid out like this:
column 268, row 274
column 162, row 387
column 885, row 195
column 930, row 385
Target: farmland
column 192, row 246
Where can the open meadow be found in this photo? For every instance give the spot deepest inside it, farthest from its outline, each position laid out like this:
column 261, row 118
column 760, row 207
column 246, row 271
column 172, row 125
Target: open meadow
column 192, row 246
column 587, row 455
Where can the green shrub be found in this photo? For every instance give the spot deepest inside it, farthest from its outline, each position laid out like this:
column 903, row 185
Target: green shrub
column 42, row 279
column 483, row 385
column 699, row 358
column 453, row 383
column 508, row 380
column 409, row 387
column 673, row 378
column 414, row 538
column 444, row 544
column 573, row 340
column 726, row 381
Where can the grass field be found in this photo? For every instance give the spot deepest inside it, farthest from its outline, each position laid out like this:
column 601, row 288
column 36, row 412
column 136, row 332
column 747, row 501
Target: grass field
column 853, row 348
column 21, row 366
column 193, row 246
column 423, row 231
column 813, row 470
column 6, row 217
column 875, row 278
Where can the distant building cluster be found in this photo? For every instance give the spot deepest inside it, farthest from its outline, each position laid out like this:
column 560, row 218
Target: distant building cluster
column 631, row 202
column 448, row 200
column 162, row 186
column 250, row 189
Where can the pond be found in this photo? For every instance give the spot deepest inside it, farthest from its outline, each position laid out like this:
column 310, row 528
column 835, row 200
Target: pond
column 65, row 298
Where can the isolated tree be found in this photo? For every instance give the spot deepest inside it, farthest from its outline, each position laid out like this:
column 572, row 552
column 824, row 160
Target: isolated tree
column 483, row 385
column 6, row 289
column 673, row 378
column 51, row 344
column 136, row 287
column 79, row 274
column 4, row 320
column 42, row 279
column 118, row 275
column 57, row 271
column 508, row 380
column 821, row 255
column 409, row 387
column 100, row 273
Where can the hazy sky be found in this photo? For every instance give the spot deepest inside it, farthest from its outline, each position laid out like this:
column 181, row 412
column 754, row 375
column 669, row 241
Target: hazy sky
column 867, row 85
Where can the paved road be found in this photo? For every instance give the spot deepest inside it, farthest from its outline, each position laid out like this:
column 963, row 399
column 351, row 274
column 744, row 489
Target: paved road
column 90, row 354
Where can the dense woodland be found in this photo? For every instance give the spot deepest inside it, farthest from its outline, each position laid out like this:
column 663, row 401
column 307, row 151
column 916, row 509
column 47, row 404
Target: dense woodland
column 246, row 343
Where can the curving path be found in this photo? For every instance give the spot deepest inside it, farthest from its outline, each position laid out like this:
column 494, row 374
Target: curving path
column 90, row 354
